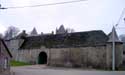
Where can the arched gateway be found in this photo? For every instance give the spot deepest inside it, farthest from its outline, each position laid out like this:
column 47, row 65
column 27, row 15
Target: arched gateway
column 42, row 58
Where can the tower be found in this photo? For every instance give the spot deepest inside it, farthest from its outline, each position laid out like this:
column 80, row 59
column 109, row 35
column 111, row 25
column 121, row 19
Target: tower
column 33, row 32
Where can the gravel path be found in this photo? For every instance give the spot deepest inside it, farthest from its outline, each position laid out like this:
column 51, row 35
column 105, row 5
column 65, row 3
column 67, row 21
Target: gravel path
column 43, row 70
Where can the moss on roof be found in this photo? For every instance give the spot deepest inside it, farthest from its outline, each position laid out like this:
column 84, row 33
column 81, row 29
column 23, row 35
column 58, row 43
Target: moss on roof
column 77, row 39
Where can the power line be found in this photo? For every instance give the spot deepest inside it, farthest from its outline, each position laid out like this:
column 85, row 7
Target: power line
column 123, row 12
column 120, row 28
column 68, row 2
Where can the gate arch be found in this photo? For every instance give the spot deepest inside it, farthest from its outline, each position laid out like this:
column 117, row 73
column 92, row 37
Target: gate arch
column 42, row 58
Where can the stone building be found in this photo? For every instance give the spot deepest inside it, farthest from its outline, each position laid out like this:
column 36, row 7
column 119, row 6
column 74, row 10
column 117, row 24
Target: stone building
column 5, row 57
column 78, row 49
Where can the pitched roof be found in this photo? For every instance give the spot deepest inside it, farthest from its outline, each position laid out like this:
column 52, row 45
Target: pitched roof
column 61, row 30
column 21, row 35
column 113, row 36
column 77, row 39
column 6, row 47
column 32, row 42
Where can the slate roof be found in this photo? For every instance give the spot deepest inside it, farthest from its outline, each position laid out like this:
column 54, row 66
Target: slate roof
column 115, row 38
column 77, row 39
column 21, row 35
column 61, row 30
column 32, row 42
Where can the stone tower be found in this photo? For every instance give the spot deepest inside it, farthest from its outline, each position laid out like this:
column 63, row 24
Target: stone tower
column 118, row 49
column 33, row 32
column 61, row 30
column 116, row 39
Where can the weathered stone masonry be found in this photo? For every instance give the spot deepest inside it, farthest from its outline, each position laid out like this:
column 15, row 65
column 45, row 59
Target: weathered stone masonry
column 79, row 49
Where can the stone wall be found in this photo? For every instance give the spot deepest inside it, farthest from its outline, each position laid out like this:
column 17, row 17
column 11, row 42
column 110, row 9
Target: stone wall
column 70, row 57
column 96, row 56
column 79, row 57
column 118, row 54
column 31, row 55
column 13, row 46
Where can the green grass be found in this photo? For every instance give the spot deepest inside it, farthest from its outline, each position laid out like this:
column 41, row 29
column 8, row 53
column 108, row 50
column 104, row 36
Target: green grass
column 18, row 63
column 121, row 69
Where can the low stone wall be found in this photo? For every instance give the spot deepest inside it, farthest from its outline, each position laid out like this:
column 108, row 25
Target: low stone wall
column 79, row 57
column 118, row 54
column 95, row 57
column 31, row 55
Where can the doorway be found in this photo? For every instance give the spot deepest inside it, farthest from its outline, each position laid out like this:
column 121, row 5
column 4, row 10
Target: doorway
column 42, row 58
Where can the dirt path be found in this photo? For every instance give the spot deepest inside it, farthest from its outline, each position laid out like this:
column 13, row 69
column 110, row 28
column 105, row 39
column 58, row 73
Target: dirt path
column 43, row 70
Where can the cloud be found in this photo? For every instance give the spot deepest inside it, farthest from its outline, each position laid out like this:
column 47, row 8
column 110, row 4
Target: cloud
column 81, row 16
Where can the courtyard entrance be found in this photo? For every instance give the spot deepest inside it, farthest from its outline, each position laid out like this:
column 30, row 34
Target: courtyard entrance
column 42, row 58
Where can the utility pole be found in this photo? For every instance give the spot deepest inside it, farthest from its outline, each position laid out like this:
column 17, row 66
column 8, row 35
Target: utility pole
column 113, row 40
column 113, row 49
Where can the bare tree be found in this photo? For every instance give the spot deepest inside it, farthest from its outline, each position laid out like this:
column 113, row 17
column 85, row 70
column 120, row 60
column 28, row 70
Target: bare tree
column 122, row 37
column 11, row 32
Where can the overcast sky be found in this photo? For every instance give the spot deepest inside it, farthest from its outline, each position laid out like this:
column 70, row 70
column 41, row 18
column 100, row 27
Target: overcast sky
column 81, row 16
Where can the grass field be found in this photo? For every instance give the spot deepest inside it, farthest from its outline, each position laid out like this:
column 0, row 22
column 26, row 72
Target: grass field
column 17, row 63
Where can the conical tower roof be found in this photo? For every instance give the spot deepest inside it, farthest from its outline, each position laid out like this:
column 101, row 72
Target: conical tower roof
column 33, row 32
column 115, row 38
column 62, row 28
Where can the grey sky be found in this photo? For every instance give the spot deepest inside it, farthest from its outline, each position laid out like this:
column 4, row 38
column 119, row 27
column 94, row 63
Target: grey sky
column 81, row 16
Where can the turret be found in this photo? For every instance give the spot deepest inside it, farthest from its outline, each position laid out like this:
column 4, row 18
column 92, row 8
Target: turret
column 61, row 30
column 33, row 32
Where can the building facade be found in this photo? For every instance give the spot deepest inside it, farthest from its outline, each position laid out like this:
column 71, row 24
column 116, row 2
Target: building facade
column 78, row 49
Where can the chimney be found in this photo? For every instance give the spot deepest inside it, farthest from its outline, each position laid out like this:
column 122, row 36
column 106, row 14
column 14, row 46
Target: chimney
column 24, row 32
